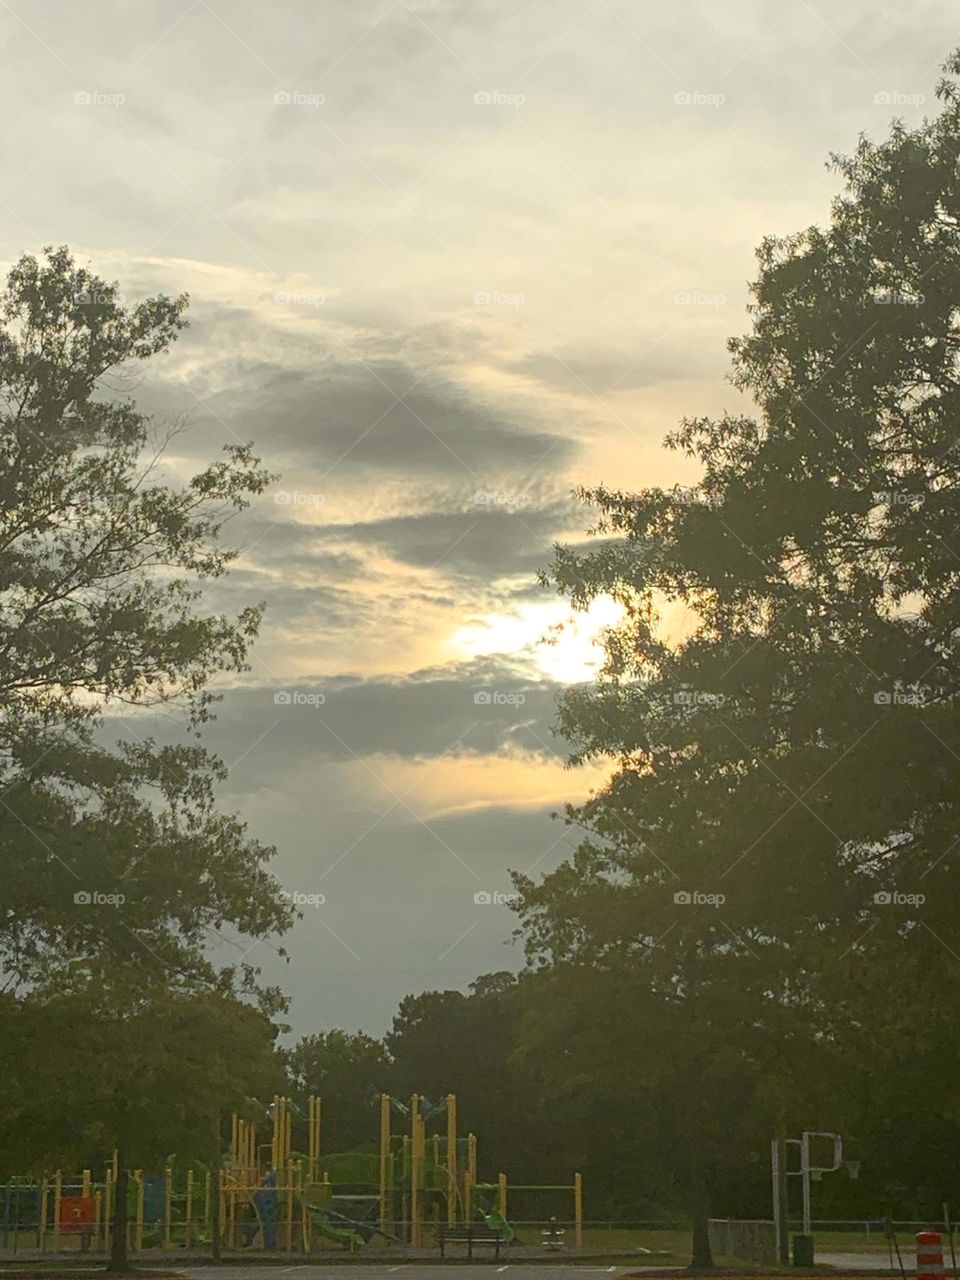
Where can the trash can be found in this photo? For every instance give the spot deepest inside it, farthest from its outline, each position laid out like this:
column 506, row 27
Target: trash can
column 803, row 1251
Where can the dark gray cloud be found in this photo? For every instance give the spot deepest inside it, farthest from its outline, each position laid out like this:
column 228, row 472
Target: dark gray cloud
column 498, row 537
column 348, row 421
column 479, row 708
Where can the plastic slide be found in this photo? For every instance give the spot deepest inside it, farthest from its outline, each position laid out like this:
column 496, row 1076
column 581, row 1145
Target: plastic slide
column 497, row 1222
column 340, row 1235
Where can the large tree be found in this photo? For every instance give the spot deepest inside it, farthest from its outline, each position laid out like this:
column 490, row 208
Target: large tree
column 795, row 753
column 103, row 557
column 119, row 870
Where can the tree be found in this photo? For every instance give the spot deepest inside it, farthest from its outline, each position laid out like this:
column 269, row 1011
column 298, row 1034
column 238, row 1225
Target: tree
column 347, row 1071
column 118, row 866
column 795, row 754
column 101, row 566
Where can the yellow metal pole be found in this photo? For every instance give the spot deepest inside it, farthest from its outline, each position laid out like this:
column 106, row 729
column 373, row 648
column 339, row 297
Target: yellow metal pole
column 107, row 1207
column 85, row 1192
column 235, row 1123
column 275, row 1141
column 384, row 1161
column 467, row 1197
column 287, row 1144
column 472, row 1156
column 578, row 1210
column 97, row 1218
column 452, row 1186
column 139, row 1210
column 293, row 1182
column 44, row 1198
column 415, row 1171
column 57, row 1197
column 502, row 1194
column 167, row 1206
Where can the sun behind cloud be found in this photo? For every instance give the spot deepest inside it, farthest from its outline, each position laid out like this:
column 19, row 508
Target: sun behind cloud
column 561, row 646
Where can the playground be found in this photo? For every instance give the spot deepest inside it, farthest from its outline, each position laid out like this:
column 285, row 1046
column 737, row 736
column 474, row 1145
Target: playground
column 416, row 1190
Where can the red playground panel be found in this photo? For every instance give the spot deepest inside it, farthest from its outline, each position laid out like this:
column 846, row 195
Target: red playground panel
column 77, row 1214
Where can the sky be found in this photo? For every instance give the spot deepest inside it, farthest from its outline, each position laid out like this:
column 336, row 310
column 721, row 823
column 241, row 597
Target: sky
column 448, row 259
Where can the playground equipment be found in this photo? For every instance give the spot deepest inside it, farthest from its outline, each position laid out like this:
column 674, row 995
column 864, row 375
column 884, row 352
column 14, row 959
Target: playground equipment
column 420, row 1176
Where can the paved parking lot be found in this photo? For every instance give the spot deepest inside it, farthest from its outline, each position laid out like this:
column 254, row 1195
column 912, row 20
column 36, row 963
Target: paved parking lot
column 411, row 1271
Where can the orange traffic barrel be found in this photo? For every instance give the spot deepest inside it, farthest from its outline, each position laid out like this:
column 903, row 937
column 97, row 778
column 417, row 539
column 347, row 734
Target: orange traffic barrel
column 929, row 1255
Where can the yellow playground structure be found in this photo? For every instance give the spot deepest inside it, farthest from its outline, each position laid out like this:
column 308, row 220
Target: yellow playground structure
column 415, row 1182
column 407, row 1188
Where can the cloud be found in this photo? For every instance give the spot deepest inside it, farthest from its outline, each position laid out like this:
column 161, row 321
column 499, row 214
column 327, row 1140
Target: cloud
column 484, row 707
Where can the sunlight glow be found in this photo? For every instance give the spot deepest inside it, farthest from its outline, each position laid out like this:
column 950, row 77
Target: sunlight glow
column 571, row 656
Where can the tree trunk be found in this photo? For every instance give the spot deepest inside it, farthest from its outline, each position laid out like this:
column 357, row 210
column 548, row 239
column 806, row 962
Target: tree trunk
column 119, row 1260
column 702, row 1257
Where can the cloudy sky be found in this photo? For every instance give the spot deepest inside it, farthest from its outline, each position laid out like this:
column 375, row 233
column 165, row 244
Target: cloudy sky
column 447, row 259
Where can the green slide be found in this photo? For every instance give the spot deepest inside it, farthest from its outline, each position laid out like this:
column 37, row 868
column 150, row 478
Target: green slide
column 497, row 1222
column 340, row 1235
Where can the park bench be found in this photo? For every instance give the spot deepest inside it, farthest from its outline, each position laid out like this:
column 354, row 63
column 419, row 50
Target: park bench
column 471, row 1235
